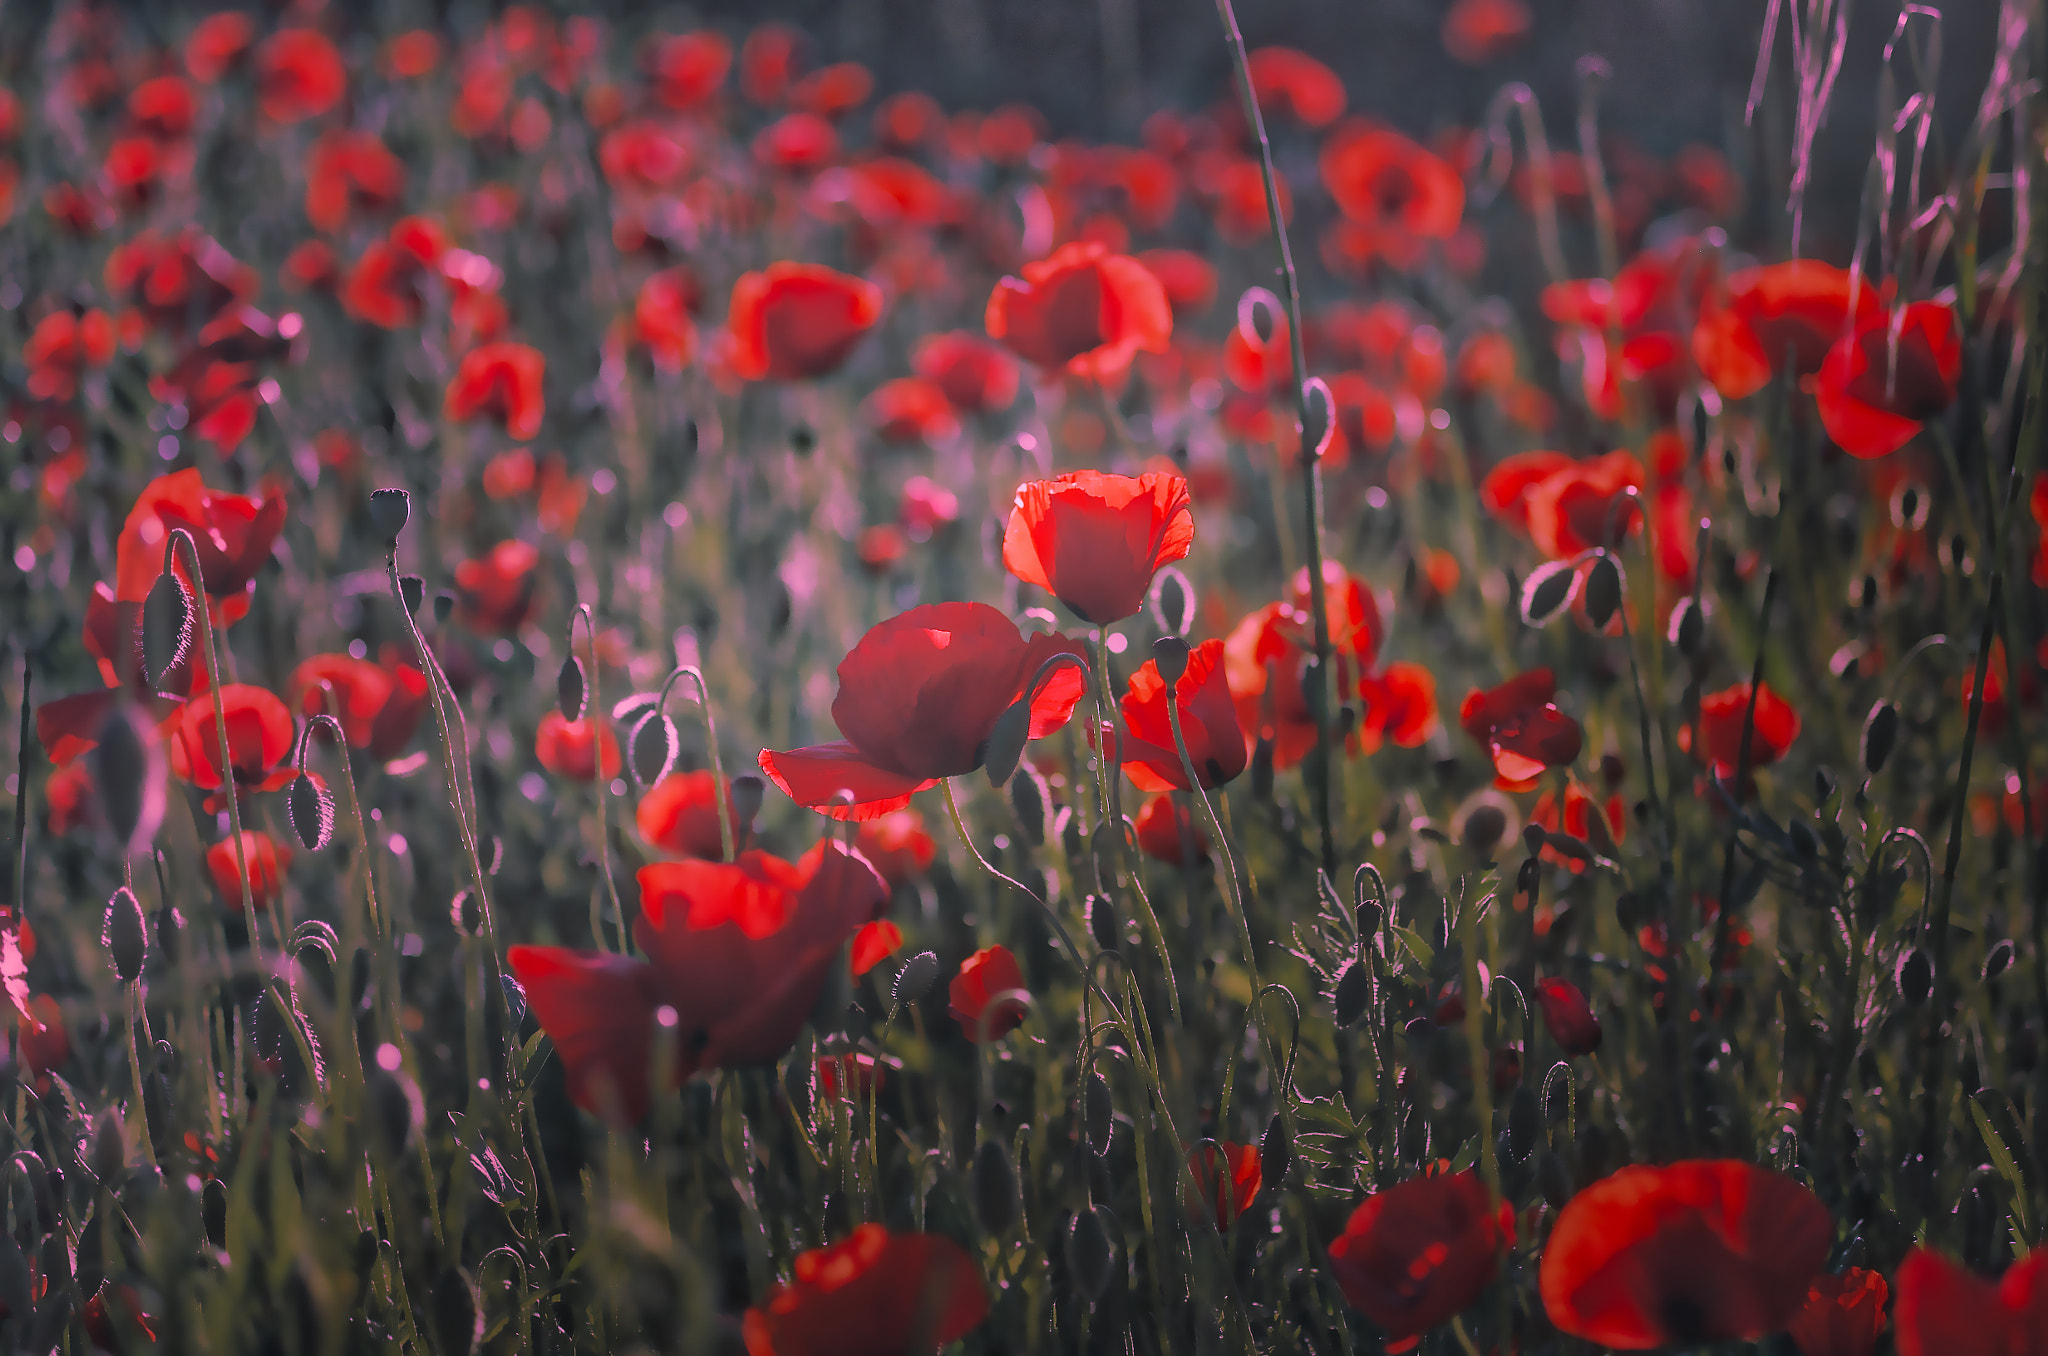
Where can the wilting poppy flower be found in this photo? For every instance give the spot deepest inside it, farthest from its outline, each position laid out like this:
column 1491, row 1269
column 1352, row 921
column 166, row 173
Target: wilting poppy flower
column 1567, row 1016
column 1477, row 31
column 233, row 533
column 1094, row 541
column 1416, row 1255
column 1226, row 1177
column 1521, row 729
column 688, row 68
column 1081, row 308
column 875, row 1294
column 792, row 321
column 974, row 374
column 1944, row 1310
column 1843, row 1315
column 1876, row 389
column 497, row 590
column 267, row 859
column 679, row 815
column 909, row 410
column 502, row 379
column 918, row 699
column 1208, row 725
column 1721, row 718
column 378, row 707
column 1798, row 310
column 298, row 75
column 259, row 738
column 873, row 944
column 1381, row 179
column 1399, row 704
column 898, row 845
column 983, row 976
column 1284, row 78
column 1168, row 833
column 570, row 748
column 1709, row 1250
column 214, row 44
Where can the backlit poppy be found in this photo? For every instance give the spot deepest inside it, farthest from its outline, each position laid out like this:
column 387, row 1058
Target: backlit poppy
column 661, row 319
column 1382, row 180
column 1226, row 1177
column 378, row 707
column 299, row 75
column 43, row 1040
column 1167, row 833
column 1478, row 31
column 1094, row 541
column 974, row 374
column 679, row 815
column 1876, row 389
column 1843, row 1315
column 1208, row 724
column 898, row 845
column 1521, row 728
column 1721, row 719
column 689, row 68
column 1944, row 1310
column 849, row 1075
column 1567, row 1016
column 875, row 1294
column 267, row 859
column 909, row 410
column 349, row 168
column 1416, row 1255
column 918, row 699
column 1398, row 703
column 1285, row 79
column 1585, row 504
column 501, row 379
column 793, row 321
column 234, row 535
column 215, row 43
column 1577, row 818
column 1189, row 279
column 985, row 975
column 873, row 944
column 1081, row 308
column 497, row 590
column 260, row 734
column 1796, row 310
column 1694, row 1252
column 570, row 748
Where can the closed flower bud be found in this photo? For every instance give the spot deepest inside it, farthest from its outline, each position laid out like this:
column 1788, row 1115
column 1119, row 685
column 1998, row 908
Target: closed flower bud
column 1688, row 627
column 1005, row 746
column 1091, row 1251
column 1998, row 960
column 995, row 1188
column 389, row 511
column 310, row 808
column 1351, row 994
column 1317, row 426
column 1097, row 1113
column 1101, row 916
column 1604, row 586
column 1031, row 804
column 213, row 1211
column 1547, row 590
column 166, row 627
column 1553, row 1179
column 651, row 749
column 1276, row 1151
column 1170, row 653
column 1915, row 977
column 747, row 791
column 1880, row 733
column 413, row 590
column 916, row 978
column 126, row 935
column 572, row 694
column 108, row 1156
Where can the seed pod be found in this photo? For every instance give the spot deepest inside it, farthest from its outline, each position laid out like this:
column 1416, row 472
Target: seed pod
column 1091, row 1254
column 1547, row 591
column 1101, row 916
column 1276, row 1151
column 1553, row 1179
column 413, row 591
column 572, row 694
column 125, row 934
column 1005, row 747
column 166, row 627
column 1915, row 977
column 390, row 509
column 310, row 808
column 1525, row 1122
column 915, row 979
column 1170, row 654
column 1031, row 802
column 1604, row 585
column 1098, row 1121
column 1998, row 960
column 108, row 1157
column 1318, row 426
column 1688, row 627
column 1880, row 733
column 747, row 793
column 996, row 1199
column 1351, row 993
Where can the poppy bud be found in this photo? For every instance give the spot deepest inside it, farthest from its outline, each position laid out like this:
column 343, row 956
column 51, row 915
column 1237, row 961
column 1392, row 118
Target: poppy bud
column 1485, row 827
column 1525, row 1123
column 1364, row 908
column 1170, row 653
column 1352, row 992
column 1604, row 585
column 1072, row 842
column 1005, row 745
column 747, row 791
column 310, row 808
column 1915, row 977
column 389, row 511
column 108, row 1157
column 915, row 979
column 128, row 775
column 1688, row 627
column 1317, row 426
column 166, row 626
column 1553, row 1179
column 413, row 590
column 1998, row 960
column 1262, row 769
column 651, row 748
column 1031, row 803
column 1547, row 591
column 1091, row 1254
column 1880, row 733
column 1097, row 1113
column 515, row 998
column 456, row 1321
column 1528, row 875
column 571, row 693
column 1533, row 838
column 1823, row 784
column 213, row 1211
column 996, row 1201
column 1173, row 601
column 1276, row 1150
column 444, row 603
column 1101, row 917
column 125, row 935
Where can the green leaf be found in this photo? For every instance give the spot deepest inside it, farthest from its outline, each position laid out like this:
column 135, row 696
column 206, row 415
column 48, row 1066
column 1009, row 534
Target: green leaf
column 1424, row 953
column 1995, row 1122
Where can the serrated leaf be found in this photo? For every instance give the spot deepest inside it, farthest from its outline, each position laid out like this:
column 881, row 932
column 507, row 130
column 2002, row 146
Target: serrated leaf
column 1467, row 1155
column 1547, row 591
column 1424, row 953
column 1998, row 1139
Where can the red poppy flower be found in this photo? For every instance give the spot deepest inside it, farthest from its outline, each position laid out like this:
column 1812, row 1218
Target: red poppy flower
column 378, row 707
column 905, row 121
column 983, row 976
column 1399, row 704
column 768, row 62
column 498, row 589
column 413, row 54
column 267, row 859
column 1721, row 718
column 909, row 410
column 298, row 75
column 1081, row 308
column 689, row 68
column 349, row 168
column 1943, row 1310
column 1477, row 31
column 1188, row 278
column 974, row 374
column 661, row 319
column 1094, row 541
column 215, row 43
column 918, row 699
column 793, row 321
column 1580, row 810
column 1521, row 728
column 1843, row 1315
column 1286, row 79
column 1584, row 504
column 1226, row 1177
column 873, row 944
column 1208, row 724
column 898, row 845
column 1259, row 367
column 69, row 797
column 178, row 282
column 43, row 1042
column 599, row 1010
column 1166, row 833
column 570, row 748
column 233, row 533
column 1801, row 309
column 259, row 738
column 501, row 379
column 1695, row 1252
column 927, row 506
column 164, row 106
column 679, row 815
column 1236, row 188
column 889, row 192
column 1877, row 388
column 1382, row 180
column 1567, row 1016
column 802, row 143
column 875, row 1294
column 1416, row 1255
column 851, row 1076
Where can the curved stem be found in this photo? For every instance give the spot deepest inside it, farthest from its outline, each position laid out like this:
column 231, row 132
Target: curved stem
column 594, row 712
column 722, row 798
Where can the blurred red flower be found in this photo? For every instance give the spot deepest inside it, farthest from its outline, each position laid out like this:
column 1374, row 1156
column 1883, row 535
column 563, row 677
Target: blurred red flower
column 43, row 1041
column 1721, row 719
column 918, row 698
column 1188, row 278
column 234, row 535
column 1843, row 1315
column 501, row 379
column 793, row 321
column 378, row 707
column 350, row 168
column 1567, row 1016
column 1798, row 310
column 689, row 68
column 898, row 845
column 1081, row 308
column 1877, row 388
column 163, row 106
column 661, row 318
column 874, row 1294
column 299, row 75
column 1521, row 729
column 974, row 374
column 1383, row 181
column 570, row 748
column 1094, row 541
column 1416, row 1255
column 801, row 143
column 1166, row 833
column 873, row 944
column 834, row 90
column 267, row 859
column 497, row 590
column 215, row 43
column 909, row 410
column 679, row 815
column 260, row 734
column 1478, row 31
column 1399, row 704
column 1286, row 80
column 768, row 62
column 1944, row 1310
column 983, row 977
column 1226, row 1178
column 1208, row 722
column 849, row 1075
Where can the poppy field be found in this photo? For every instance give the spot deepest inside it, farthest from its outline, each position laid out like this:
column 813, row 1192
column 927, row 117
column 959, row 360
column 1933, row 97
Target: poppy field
column 658, row 699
